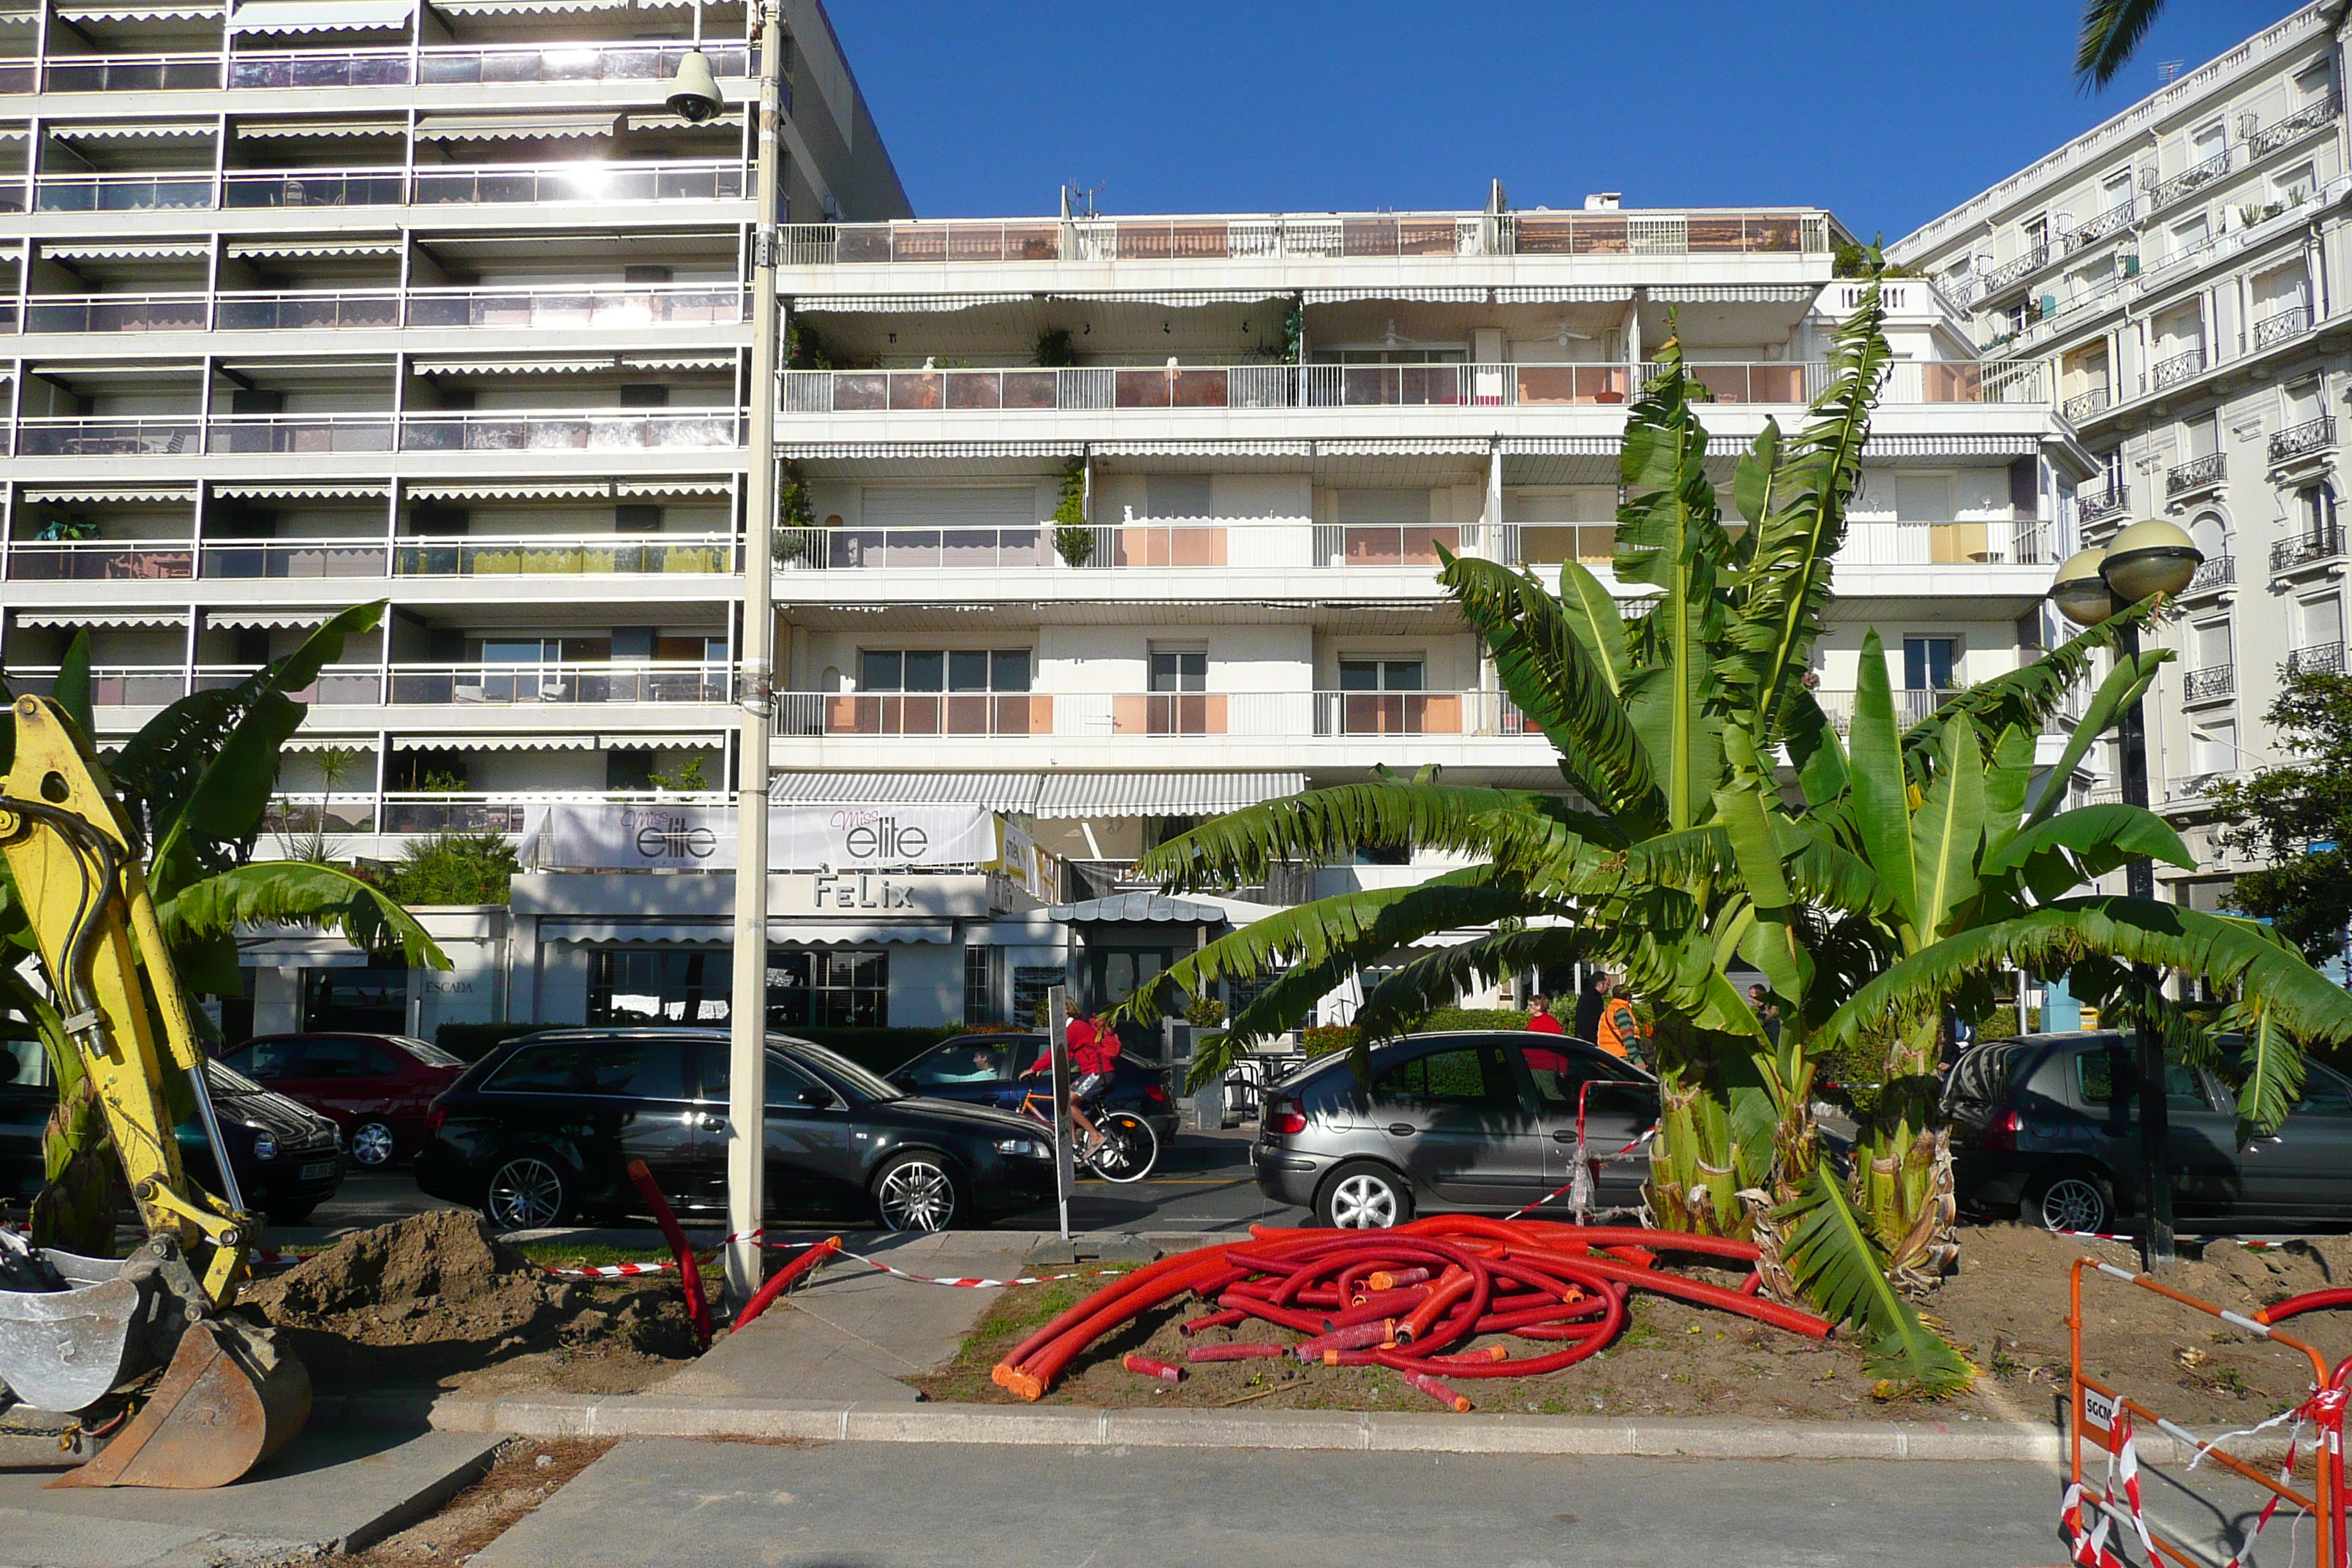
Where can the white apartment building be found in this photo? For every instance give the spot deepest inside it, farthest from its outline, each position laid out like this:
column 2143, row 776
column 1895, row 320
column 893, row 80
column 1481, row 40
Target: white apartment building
column 2181, row 270
column 304, row 311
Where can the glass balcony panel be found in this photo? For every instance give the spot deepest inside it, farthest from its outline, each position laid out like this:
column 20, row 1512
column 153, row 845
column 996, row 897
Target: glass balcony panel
column 99, row 561
column 1030, row 389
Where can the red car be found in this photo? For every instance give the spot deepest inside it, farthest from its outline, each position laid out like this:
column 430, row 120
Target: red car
column 375, row 1087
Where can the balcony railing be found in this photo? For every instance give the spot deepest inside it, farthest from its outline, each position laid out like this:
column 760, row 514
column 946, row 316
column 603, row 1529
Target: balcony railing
column 586, row 61
column 439, row 686
column 2280, row 325
column 2173, row 371
column 101, row 560
column 544, row 308
column 2084, row 404
column 2323, row 544
column 413, row 810
column 136, row 73
column 2011, row 272
column 1912, row 704
column 1095, row 388
column 512, row 430
column 116, row 313
column 2303, row 121
column 2195, row 786
column 2322, row 658
column 2214, row 573
column 257, row 560
column 156, row 435
column 1419, row 713
column 2301, row 440
column 2196, row 474
column 1268, row 714
column 581, row 430
column 556, row 307
column 2115, row 220
column 528, row 555
column 2188, row 180
column 2209, row 684
column 586, row 180
column 2096, row 504
column 283, row 433
column 1321, row 237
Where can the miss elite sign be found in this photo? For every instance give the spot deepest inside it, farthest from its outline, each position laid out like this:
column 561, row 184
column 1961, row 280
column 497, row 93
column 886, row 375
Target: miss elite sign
column 604, row 835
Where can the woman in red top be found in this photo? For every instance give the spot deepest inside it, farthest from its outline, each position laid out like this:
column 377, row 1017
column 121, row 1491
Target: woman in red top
column 1094, row 1055
column 1540, row 1018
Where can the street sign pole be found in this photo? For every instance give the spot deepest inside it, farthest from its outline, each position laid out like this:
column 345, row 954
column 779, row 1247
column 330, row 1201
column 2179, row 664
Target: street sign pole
column 1057, row 1035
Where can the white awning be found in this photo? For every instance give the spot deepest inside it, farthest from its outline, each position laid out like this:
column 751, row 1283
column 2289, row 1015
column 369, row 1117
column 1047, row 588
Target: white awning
column 1204, row 448
column 1072, row 794
column 552, row 489
column 328, row 743
column 115, row 620
column 927, row 303
column 1883, row 447
column 662, row 743
column 1439, row 447
column 679, row 362
column 672, row 488
column 165, row 250
column 93, row 497
column 869, row 932
column 138, row 13
column 494, row 743
column 302, row 493
column 658, row 121
column 511, row 127
column 1181, row 299
column 264, row 250
column 492, row 7
column 1564, row 294
column 512, row 366
column 1456, row 296
column 289, row 130
column 929, row 451
column 1733, row 293
column 264, row 620
column 1139, row 909
column 319, row 16
column 649, row 933
column 135, row 131
column 997, row 791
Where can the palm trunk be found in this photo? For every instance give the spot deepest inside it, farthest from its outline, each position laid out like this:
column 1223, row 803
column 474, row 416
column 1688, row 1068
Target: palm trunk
column 74, row 1207
column 1693, row 1163
column 1903, row 1163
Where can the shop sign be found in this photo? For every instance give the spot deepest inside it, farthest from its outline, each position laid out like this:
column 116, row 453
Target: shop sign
column 608, row 835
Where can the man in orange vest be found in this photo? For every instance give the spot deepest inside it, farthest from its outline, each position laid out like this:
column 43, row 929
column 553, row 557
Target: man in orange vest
column 1620, row 1031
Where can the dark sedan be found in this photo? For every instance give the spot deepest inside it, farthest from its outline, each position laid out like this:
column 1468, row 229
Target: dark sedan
column 287, row 1159
column 985, row 1069
column 376, row 1088
column 1471, row 1121
column 543, row 1128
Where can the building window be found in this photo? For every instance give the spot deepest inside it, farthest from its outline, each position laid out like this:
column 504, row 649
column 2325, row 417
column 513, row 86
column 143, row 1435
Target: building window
column 1180, row 668
column 936, row 669
column 1928, row 663
column 828, row 989
column 1029, row 983
column 1380, row 675
column 659, row 985
column 980, row 969
column 372, row 1001
column 2317, row 505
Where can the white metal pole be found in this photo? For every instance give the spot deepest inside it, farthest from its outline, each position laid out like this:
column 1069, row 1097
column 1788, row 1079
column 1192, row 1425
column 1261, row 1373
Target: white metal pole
column 747, row 1091
column 1057, row 1041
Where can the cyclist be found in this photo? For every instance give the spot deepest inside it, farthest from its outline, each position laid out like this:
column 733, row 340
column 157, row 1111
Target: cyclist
column 1094, row 1055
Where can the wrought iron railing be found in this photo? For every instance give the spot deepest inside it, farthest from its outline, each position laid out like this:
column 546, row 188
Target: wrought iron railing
column 2278, row 327
column 2301, row 440
column 2205, row 685
column 2195, row 474
column 2096, row 504
column 2188, row 180
column 2084, row 404
column 2322, row 658
column 2214, row 573
column 2176, row 370
column 2323, row 543
column 2114, row 220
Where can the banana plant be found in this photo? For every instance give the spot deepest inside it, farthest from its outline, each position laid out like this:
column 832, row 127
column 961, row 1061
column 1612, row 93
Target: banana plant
column 196, row 782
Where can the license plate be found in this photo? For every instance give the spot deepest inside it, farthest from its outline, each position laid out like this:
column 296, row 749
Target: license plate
column 318, row 1173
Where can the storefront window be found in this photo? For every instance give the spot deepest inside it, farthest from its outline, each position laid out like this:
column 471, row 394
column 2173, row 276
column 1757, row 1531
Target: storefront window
column 644, row 985
column 828, row 989
column 1029, row 983
column 370, row 1001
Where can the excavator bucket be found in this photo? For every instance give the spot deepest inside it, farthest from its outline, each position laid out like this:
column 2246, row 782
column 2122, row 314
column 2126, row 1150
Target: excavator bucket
column 232, row 1397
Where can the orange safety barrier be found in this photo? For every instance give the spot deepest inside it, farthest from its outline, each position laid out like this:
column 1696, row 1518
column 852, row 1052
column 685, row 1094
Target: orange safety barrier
column 2106, row 1417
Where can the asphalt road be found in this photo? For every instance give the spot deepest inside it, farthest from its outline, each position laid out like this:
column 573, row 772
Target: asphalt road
column 1203, row 1183
column 878, row 1505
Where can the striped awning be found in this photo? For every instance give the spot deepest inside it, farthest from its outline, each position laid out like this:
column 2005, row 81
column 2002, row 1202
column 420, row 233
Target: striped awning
column 263, row 249
column 672, row 487
column 461, row 743
column 846, row 786
column 665, row 743
column 289, row 130
column 1733, row 293
column 319, row 16
column 927, row 303
column 94, row 496
column 1564, row 294
column 158, row 250
column 512, row 127
column 1453, row 296
column 266, row 620
column 114, row 620
column 1139, row 909
column 1075, row 794
column 552, row 489
column 302, row 493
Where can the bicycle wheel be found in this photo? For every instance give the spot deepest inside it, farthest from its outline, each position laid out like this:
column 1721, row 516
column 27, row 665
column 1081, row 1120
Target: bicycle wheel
column 1128, row 1148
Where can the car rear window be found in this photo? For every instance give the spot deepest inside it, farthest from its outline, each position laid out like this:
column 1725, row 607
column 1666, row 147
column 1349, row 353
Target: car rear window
column 268, row 1060
column 1985, row 1073
column 2094, row 1078
column 424, row 1051
column 1461, row 1076
column 649, row 1069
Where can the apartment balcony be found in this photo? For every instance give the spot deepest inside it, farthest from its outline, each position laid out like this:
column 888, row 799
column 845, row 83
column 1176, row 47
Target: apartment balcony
column 616, row 307
column 312, row 560
column 433, row 65
column 2215, row 575
column 2280, row 327
column 2115, row 220
column 2097, row 505
column 2322, row 658
column 2307, row 442
column 2189, row 788
column 2294, row 127
column 102, row 561
column 1912, row 704
column 2010, row 274
column 1339, row 237
column 2189, row 182
column 532, row 430
column 584, row 181
column 458, row 687
column 1139, row 715
column 2086, row 404
column 2313, row 551
column 2212, row 684
column 2173, row 371
column 2195, row 476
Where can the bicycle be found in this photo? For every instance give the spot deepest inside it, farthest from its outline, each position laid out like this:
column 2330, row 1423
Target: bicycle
column 1126, row 1150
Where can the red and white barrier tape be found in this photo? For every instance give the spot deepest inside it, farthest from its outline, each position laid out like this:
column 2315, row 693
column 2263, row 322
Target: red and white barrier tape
column 978, row 1284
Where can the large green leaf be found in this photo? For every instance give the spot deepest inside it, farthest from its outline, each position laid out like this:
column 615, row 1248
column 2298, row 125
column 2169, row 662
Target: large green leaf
column 2126, row 684
column 296, row 892
column 2026, row 697
column 1814, row 745
column 2007, row 779
column 73, row 689
column 1946, row 830
column 1882, row 792
column 2108, row 833
column 2269, row 1070
column 1745, row 808
column 1326, row 824
column 1842, row 1270
column 1592, row 613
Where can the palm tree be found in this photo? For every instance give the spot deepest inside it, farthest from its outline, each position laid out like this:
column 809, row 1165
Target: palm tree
column 1678, row 854
column 195, row 783
column 2111, row 31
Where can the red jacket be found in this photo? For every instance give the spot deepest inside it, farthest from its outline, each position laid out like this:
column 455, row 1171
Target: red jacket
column 1544, row 1024
column 1091, row 1050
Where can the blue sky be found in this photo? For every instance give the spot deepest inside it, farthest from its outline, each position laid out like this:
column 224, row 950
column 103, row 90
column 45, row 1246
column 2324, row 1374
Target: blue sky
column 1888, row 114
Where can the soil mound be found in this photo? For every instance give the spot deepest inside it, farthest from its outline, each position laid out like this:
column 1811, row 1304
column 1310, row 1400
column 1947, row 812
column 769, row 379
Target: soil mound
column 447, row 1253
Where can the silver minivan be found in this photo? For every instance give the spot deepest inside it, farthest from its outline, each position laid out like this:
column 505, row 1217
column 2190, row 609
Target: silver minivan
column 1483, row 1121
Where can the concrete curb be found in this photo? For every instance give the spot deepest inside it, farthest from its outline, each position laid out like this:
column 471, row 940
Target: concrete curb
column 652, row 1415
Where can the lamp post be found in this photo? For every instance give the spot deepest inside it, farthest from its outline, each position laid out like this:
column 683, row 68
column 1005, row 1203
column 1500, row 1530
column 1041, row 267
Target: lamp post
column 2146, row 559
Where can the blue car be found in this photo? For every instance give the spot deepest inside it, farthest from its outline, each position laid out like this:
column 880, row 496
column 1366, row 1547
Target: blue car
column 985, row 1069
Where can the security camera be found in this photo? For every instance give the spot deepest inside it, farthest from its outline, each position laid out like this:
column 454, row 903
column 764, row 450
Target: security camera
column 693, row 91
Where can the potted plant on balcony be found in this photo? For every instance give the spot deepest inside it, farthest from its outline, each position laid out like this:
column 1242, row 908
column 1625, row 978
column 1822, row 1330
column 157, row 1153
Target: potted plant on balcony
column 796, row 540
column 1074, row 541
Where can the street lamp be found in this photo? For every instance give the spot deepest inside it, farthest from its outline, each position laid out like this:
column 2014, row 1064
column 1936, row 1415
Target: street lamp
column 2147, row 559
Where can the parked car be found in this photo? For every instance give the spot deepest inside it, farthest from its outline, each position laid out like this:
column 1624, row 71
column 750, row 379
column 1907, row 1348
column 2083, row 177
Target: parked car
column 543, row 1128
column 1468, row 1119
column 375, row 1087
column 2047, row 1127
column 287, row 1159
column 985, row 1069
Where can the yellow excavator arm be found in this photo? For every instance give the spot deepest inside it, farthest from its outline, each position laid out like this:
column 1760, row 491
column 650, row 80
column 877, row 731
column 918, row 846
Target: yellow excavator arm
column 229, row 1395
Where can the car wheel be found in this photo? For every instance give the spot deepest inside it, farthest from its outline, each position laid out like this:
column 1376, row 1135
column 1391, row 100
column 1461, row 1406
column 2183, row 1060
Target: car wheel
column 2073, row 1199
column 528, row 1192
column 289, row 1214
column 917, row 1192
column 372, row 1144
column 1364, row 1196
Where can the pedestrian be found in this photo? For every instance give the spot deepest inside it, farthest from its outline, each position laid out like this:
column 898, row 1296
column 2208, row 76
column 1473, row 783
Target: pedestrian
column 1620, row 1028
column 1768, row 1012
column 1540, row 1018
column 1588, row 1004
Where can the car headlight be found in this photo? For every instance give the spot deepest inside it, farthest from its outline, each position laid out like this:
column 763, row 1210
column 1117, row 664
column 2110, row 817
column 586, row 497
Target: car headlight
column 1023, row 1148
column 265, row 1147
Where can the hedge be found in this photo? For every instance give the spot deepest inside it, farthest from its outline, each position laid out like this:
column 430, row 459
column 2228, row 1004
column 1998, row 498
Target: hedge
column 1321, row 1039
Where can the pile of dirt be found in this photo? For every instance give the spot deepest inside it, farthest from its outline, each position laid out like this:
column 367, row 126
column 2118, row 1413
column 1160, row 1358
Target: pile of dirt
column 2006, row 1307
column 437, row 1300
